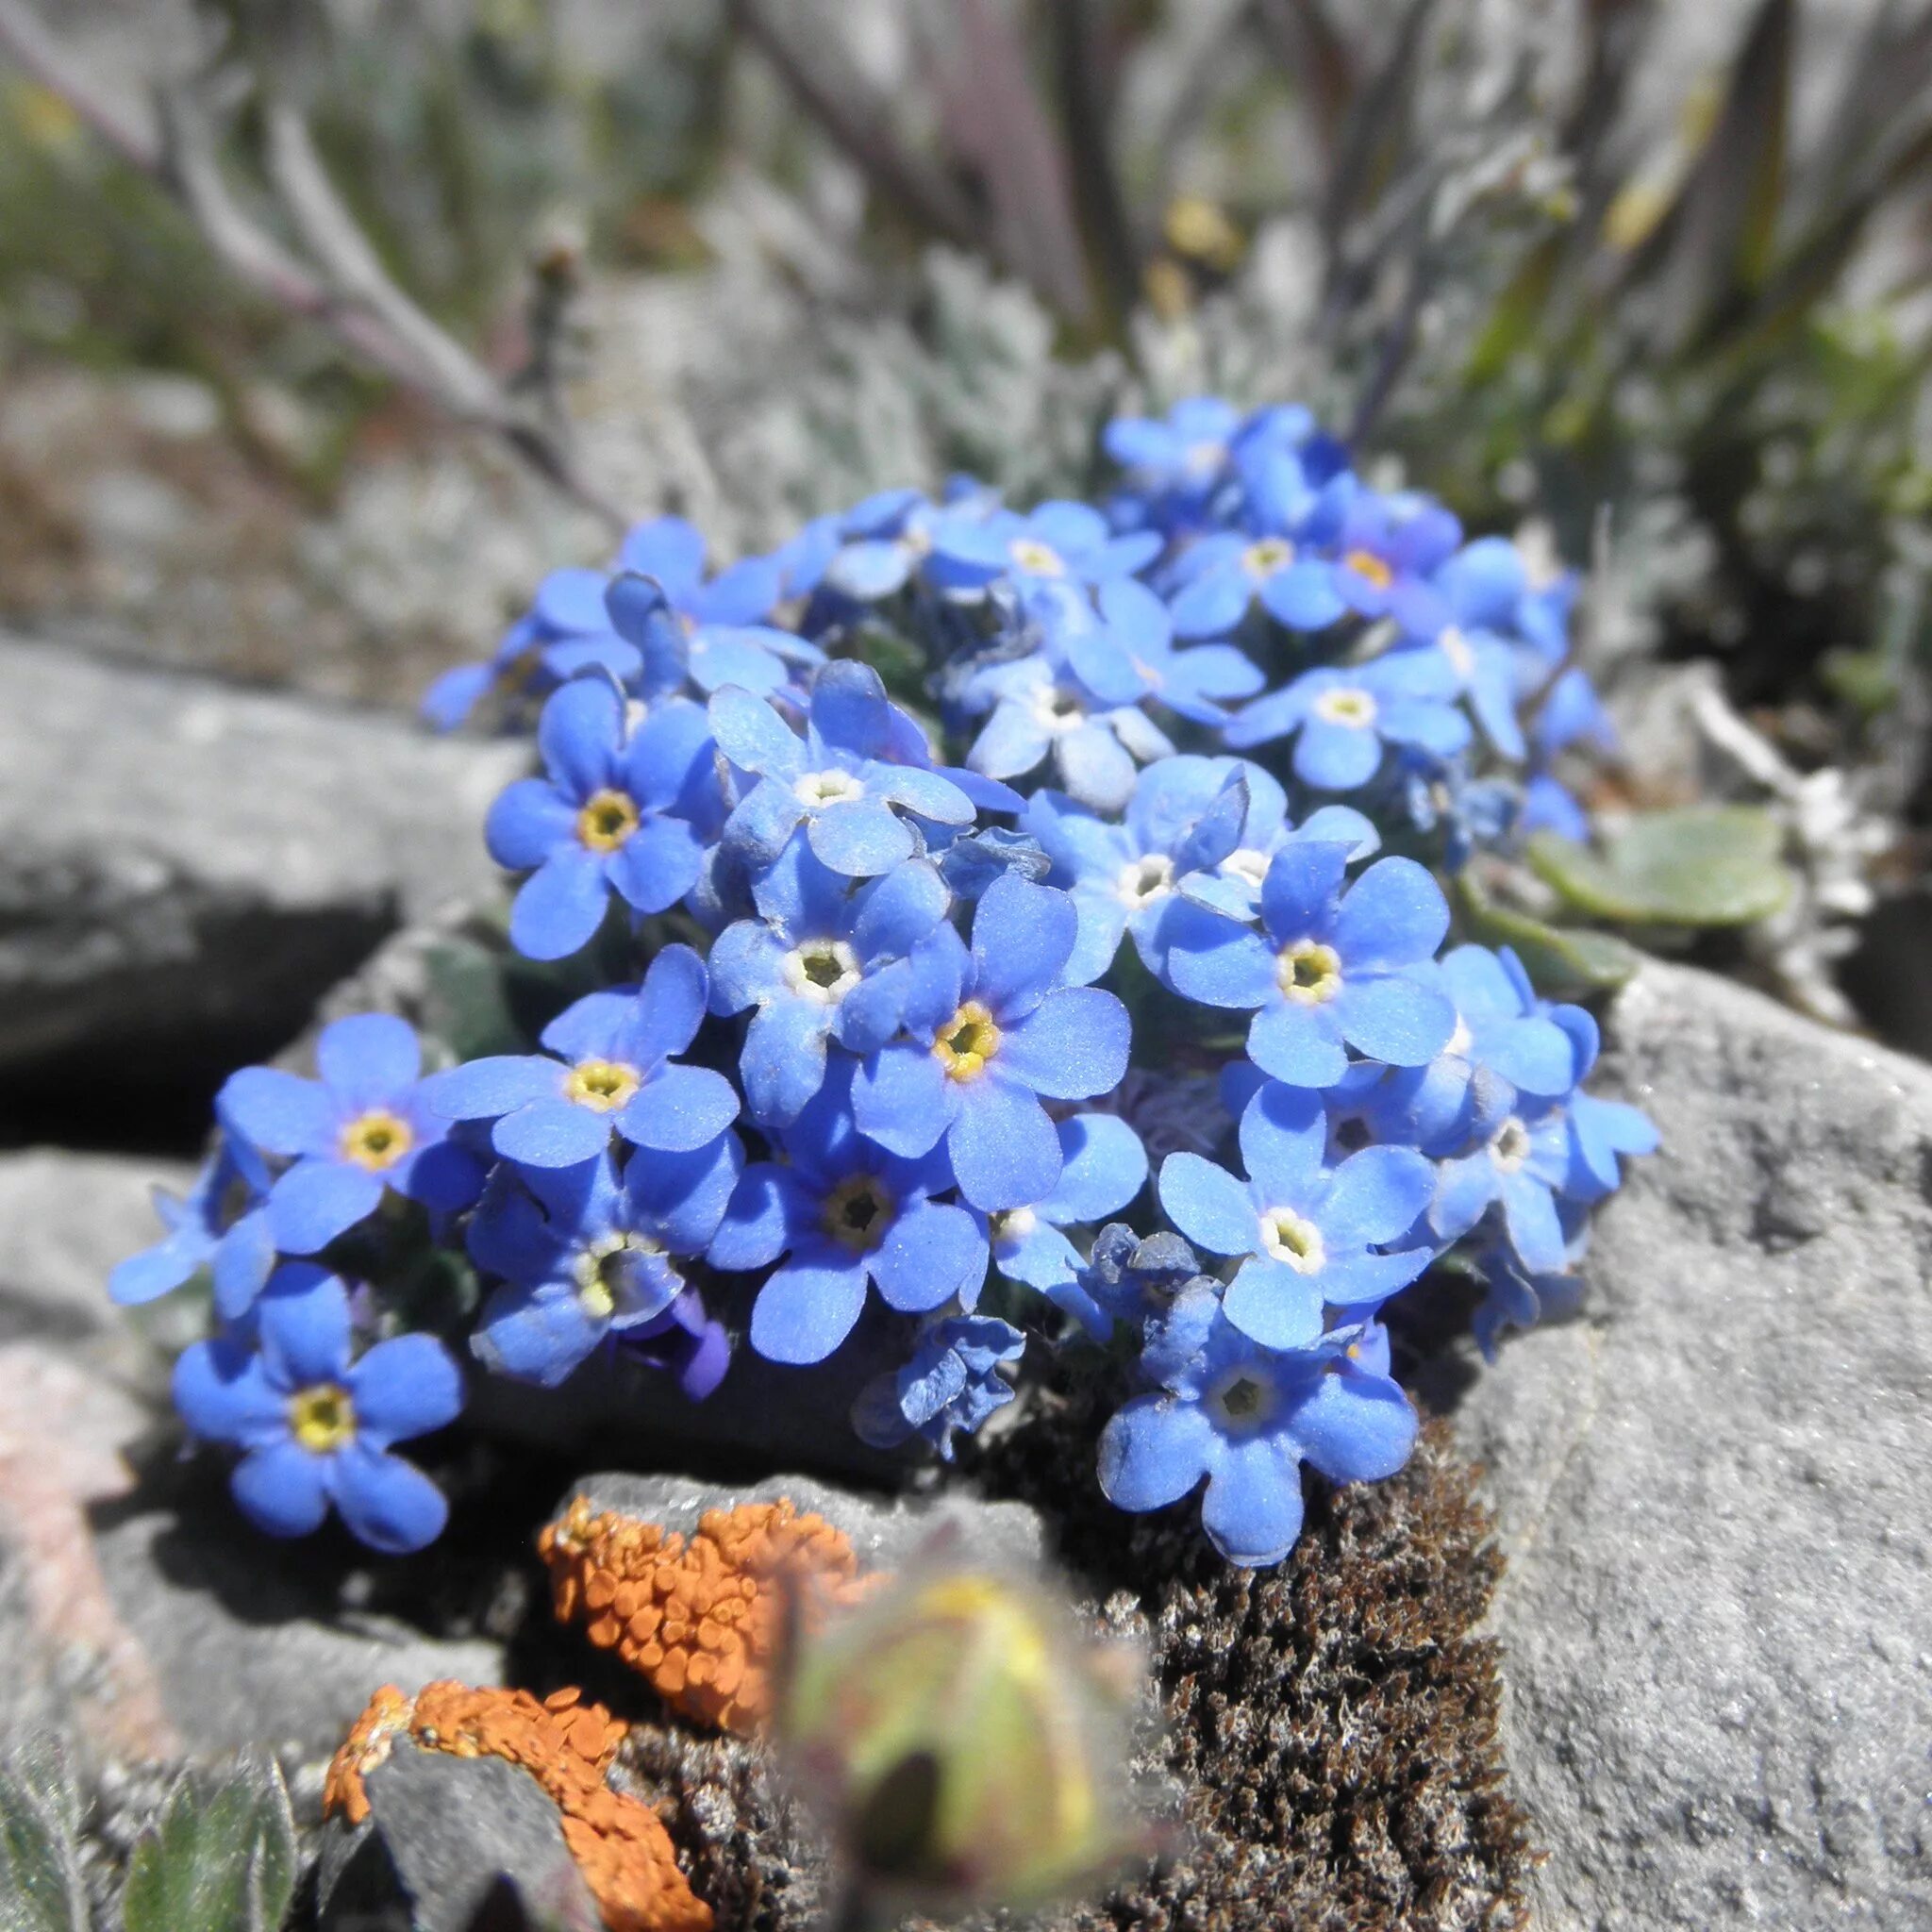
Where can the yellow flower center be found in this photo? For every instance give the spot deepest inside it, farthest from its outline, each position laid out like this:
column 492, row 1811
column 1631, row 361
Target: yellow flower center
column 1309, row 973
column 601, row 1269
column 824, row 971
column 1242, row 1401
column 1143, row 880
column 1366, row 563
column 1346, row 704
column 1270, row 555
column 856, row 1212
column 826, row 788
column 608, row 819
column 377, row 1140
column 1294, row 1239
column 322, row 1418
column 1036, row 558
column 967, row 1041
column 603, row 1086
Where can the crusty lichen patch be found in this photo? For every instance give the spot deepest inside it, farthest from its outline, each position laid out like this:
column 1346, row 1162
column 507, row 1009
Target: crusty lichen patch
column 699, row 1618
column 568, row 1746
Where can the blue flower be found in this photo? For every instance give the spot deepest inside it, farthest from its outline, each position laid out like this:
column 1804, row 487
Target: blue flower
column 1304, row 1232
column 847, row 781
column 952, row 1382
column 1185, row 817
column 1520, row 1166
column 222, row 1226
column 1506, row 1044
column 1221, row 577
column 1175, row 461
column 670, row 650
column 1387, row 550
column 822, row 961
column 1246, row 1418
column 613, row 1068
column 566, row 632
column 1055, row 541
column 587, row 1251
column 1103, row 1166
column 620, row 812
column 670, row 552
column 844, row 1212
column 1342, row 718
column 1600, row 1131
column 1193, row 683
column 885, row 540
column 991, row 1032
column 1334, row 970
column 317, row 1426
column 361, row 1129
column 1130, row 1279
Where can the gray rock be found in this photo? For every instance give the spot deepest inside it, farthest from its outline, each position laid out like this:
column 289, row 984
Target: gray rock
column 185, row 866
column 884, row 1531
column 1712, row 1494
column 443, row 1832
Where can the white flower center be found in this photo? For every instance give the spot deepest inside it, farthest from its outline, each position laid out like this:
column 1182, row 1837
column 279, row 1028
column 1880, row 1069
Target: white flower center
column 822, row 969
column 1270, row 555
column 1294, row 1239
column 1248, row 865
column 1509, row 1145
column 1036, row 558
column 1013, row 1223
column 1347, row 704
column 1143, row 880
column 1460, row 1041
column 602, row 1269
column 1058, row 708
column 1243, row 1399
column 826, row 788
column 1456, row 647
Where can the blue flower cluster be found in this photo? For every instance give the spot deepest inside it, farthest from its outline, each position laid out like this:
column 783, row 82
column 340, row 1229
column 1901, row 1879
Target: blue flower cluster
column 902, row 1055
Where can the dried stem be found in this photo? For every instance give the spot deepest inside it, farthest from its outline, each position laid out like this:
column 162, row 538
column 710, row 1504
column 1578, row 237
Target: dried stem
column 346, row 290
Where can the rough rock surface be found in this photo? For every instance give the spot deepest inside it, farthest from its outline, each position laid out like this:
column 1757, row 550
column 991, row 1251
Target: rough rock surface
column 189, row 881
column 1717, row 1615
column 441, row 1831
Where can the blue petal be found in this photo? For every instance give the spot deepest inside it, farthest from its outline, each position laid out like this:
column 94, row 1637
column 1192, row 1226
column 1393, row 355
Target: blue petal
column 682, row 1198
column 742, row 593
column 1212, row 959
column 1302, row 596
column 1154, row 1450
column 1021, row 935
column 561, row 905
column 1393, row 1020
column 925, row 794
column 1214, row 1209
column 1284, row 1135
column 807, row 1307
column 655, row 867
column 1004, row 1149
column 388, row 1504
column 1010, row 743
column 1335, row 757
column 1377, row 1195
column 1530, row 1215
column 243, row 1264
column 753, row 736
column 1212, row 604
column 767, row 1208
column 580, row 734
column 902, row 1099
column 281, row 1113
column 931, row 1253
column 223, row 1394
column 679, row 1109
column 669, row 1006
column 1355, row 1427
column 1073, row 1046
column 1393, row 915
column 281, row 1489
column 1253, row 1510
column 859, row 836
column 528, row 822
column 668, row 548
column 404, row 1386
column 1271, row 1304
column 897, row 912
column 317, row 1200
column 552, row 1132
column 1298, row 893
column 1103, row 1166
column 1094, row 767
column 535, row 1336
column 487, row 1088
column 783, row 1060
column 157, row 1270
column 304, row 1317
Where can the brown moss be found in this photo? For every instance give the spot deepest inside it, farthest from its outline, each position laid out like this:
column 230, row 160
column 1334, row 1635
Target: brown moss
column 699, row 1619
column 568, row 1746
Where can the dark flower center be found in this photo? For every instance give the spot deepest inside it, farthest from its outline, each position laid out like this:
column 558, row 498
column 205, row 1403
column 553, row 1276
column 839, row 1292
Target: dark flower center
column 856, row 1212
column 608, row 819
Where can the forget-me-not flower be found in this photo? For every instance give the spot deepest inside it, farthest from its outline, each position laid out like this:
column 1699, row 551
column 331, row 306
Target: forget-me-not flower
column 221, row 1224
column 1307, row 1233
column 1330, row 970
column 1053, row 542
column 1245, row 1419
column 609, row 1065
column 953, row 1382
column 317, row 1425
column 360, row 1129
column 1342, row 717
column 993, row 1031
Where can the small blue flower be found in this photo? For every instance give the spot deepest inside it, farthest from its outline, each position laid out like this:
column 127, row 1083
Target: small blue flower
column 822, row 961
column 1175, row 461
column 1185, row 817
column 1305, row 1232
column 1246, row 1418
column 1342, row 718
column 1055, row 541
column 1196, row 684
column 1520, row 1166
column 885, row 540
column 670, row 651
column 1334, row 970
column 1130, row 1279
column 1103, row 1166
column 591, row 1251
column 318, row 1426
column 613, row 1068
column 222, row 1226
column 847, row 781
column 566, row 632
column 364, row 1127
column 670, row 552
column 844, row 1212
column 953, row 1382
column 1387, row 550
column 1600, row 1131
column 992, row 1032
column 620, row 811
column 1506, row 1044
column 1221, row 578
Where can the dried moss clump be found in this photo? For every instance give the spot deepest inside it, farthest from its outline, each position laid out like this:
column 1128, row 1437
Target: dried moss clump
column 1333, row 1721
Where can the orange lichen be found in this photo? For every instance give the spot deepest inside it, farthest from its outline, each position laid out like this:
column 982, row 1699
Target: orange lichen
column 568, row 1746
column 700, row 1619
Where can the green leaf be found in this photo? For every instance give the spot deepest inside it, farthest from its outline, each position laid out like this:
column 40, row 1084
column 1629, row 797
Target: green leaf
column 41, row 1887
column 1698, row 865
column 1561, row 961
column 221, row 1857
